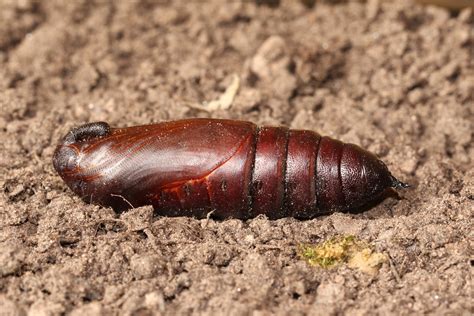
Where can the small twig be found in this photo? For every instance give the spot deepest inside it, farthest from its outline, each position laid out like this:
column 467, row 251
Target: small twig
column 268, row 247
column 394, row 269
column 208, row 217
column 224, row 101
column 120, row 196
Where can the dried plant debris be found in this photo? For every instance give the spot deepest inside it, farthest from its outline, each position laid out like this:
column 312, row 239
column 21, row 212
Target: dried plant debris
column 224, row 101
column 349, row 250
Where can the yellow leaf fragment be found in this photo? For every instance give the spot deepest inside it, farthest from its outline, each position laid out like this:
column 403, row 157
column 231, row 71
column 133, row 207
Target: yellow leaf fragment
column 367, row 261
column 346, row 249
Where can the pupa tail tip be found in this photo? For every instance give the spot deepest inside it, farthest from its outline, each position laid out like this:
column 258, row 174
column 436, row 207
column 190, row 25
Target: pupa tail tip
column 397, row 184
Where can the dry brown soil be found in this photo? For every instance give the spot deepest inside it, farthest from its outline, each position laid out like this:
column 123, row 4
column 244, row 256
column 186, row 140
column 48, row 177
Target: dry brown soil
column 396, row 78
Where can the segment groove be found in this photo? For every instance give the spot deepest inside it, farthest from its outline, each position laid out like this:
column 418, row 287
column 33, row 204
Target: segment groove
column 251, row 190
column 317, row 206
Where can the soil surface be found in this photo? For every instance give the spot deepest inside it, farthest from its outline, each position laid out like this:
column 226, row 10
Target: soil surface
column 396, row 78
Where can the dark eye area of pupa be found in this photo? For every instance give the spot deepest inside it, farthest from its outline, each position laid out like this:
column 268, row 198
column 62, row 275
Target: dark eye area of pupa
column 64, row 159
